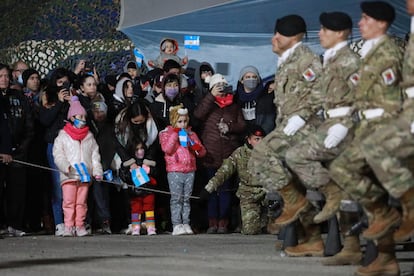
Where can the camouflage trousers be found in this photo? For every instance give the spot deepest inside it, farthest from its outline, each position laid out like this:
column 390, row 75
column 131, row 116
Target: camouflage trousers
column 267, row 160
column 350, row 170
column 385, row 151
column 251, row 199
column 309, row 158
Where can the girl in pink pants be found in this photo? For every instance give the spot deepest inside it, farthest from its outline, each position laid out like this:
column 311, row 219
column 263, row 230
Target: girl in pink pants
column 76, row 155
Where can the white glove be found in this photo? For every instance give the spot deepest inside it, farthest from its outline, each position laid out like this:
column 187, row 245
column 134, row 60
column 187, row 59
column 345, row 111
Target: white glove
column 294, row 124
column 339, row 112
column 336, row 134
column 412, row 127
column 373, row 113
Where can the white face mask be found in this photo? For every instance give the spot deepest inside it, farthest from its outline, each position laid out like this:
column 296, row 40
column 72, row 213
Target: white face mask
column 20, row 79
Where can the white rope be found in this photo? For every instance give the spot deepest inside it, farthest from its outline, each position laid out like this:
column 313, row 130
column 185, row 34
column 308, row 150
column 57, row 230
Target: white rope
column 106, row 181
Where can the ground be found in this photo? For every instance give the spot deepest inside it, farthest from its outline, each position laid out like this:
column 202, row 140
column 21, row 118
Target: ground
column 203, row 254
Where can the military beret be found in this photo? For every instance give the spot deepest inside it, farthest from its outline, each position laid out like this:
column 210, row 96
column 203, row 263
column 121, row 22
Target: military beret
column 290, row 25
column 335, row 21
column 379, row 10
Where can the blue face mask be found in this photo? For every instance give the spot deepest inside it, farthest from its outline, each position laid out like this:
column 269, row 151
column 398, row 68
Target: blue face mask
column 79, row 123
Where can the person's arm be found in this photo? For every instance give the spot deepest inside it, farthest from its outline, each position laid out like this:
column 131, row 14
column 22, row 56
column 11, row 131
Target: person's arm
column 226, row 170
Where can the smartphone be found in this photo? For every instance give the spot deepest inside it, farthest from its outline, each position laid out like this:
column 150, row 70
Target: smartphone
column 89, row 66
column 228, row 89
column 66, row 85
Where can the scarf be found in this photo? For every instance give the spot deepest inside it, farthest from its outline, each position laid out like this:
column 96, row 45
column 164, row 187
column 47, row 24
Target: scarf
column 224, row 101
column 248, row 97
column 76, row 133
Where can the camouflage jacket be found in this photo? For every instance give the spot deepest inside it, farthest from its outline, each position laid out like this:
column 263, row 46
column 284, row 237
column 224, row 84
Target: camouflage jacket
column 235, row 163
column 379, row 78
column 294, row 82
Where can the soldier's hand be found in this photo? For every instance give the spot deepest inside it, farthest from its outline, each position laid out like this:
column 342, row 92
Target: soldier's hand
column 294, row 124
column 336, row 134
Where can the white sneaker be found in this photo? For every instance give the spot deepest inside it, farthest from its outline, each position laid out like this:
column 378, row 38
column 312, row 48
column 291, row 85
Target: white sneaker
column 187, row 229
column 178, row 230
column 68, row 232
column 81, row 231
column 15, row 232
column 59, row 229
column 127, row 231
column 151, row 231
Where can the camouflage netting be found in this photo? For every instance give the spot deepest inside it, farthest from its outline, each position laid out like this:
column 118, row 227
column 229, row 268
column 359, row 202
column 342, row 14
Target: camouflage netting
column 46, row 34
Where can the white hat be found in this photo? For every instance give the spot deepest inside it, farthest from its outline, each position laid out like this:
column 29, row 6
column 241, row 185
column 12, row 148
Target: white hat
column 216, row 78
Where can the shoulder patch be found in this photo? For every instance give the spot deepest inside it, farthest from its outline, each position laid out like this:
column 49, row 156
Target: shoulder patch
column 309, row 75
column 388, row 76
column 354, row 78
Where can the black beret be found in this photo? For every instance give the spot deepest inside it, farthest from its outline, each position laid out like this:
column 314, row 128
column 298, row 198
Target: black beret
column 379, row 10
column 27, row 73
column 290, row 25
column 335, row 21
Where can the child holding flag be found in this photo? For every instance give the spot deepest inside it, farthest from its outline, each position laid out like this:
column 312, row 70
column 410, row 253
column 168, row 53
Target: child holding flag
column 181, row 147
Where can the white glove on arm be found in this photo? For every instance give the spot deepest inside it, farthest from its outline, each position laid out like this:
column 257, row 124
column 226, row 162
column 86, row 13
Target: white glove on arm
column 294, row 124
column 336, row 134
column 412, row 127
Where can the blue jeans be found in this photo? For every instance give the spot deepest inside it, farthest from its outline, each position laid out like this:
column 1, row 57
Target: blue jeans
column 219, row 202
column 57, row 198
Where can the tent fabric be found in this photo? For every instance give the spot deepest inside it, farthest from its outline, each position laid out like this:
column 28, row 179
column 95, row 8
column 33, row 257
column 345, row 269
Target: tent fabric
column 236, row 32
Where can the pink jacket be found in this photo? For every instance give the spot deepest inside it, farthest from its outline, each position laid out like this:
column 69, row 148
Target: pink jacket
column 179, row 158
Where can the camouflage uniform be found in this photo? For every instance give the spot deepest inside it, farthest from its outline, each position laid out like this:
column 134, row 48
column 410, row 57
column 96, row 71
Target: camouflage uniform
column 384, row 150
column 294, row 82
column 306, row 157
column 250, row 196
column 378, row 87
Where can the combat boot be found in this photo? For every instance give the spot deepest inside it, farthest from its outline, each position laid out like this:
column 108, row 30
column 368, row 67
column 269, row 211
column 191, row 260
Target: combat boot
column 386, row 263
column 333, row 196
column 349, row 255
column 406, row 229
column 312, row 246
column 294, row 203
column 383, row 219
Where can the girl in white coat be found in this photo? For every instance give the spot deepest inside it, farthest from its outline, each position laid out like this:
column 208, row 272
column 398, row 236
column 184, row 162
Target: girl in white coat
column 76, row 155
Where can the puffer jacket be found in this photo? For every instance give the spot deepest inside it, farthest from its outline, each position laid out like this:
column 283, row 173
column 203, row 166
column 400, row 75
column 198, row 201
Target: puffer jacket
column 179, row 158
column 67, row 152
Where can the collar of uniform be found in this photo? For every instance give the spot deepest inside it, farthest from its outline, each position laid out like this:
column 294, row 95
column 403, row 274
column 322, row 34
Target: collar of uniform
column 331, row 52
column 287, row 54
column 368, row 45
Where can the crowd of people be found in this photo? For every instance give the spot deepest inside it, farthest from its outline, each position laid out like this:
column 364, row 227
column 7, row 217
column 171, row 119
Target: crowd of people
column 126, row 153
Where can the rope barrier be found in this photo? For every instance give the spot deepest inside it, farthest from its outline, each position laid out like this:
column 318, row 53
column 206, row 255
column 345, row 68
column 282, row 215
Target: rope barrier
column 102, row 180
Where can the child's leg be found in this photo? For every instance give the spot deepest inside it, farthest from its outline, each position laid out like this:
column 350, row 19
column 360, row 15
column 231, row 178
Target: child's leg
column 136, row 211
column 81, row 204
column 68, row 205
column 188, row 189
column 250, row 216
column 176, row 203
column 148, row 206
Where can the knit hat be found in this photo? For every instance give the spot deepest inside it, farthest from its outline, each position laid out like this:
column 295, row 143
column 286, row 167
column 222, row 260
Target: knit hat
column 27, row 73
column 213, row 80
column 99, row 106
column 379, row 10
column 335, row 21
column 176, row 112
column 248, row 69
column 290, row 25
column 111, row 80
column 130, row 64
column 75, row 107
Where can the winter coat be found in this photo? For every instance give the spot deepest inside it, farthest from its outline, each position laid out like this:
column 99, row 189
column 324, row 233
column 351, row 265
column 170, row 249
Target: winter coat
column 177, row 157
column 67, row 152
column 219, row 146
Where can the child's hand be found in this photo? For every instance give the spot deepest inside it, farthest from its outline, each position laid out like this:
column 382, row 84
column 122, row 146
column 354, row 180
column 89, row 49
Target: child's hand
column 196, row 147
column 151, row 63
column 185, row 60
column 133, row 167
column 98, row 177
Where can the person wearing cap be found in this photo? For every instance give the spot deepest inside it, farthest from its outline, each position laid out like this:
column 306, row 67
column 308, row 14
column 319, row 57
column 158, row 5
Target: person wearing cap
column 298, row 73
column 308, row 157
column 250, row 196
column 77, row 157
column 377, row 103
column 251, row 95
column 222, row 123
